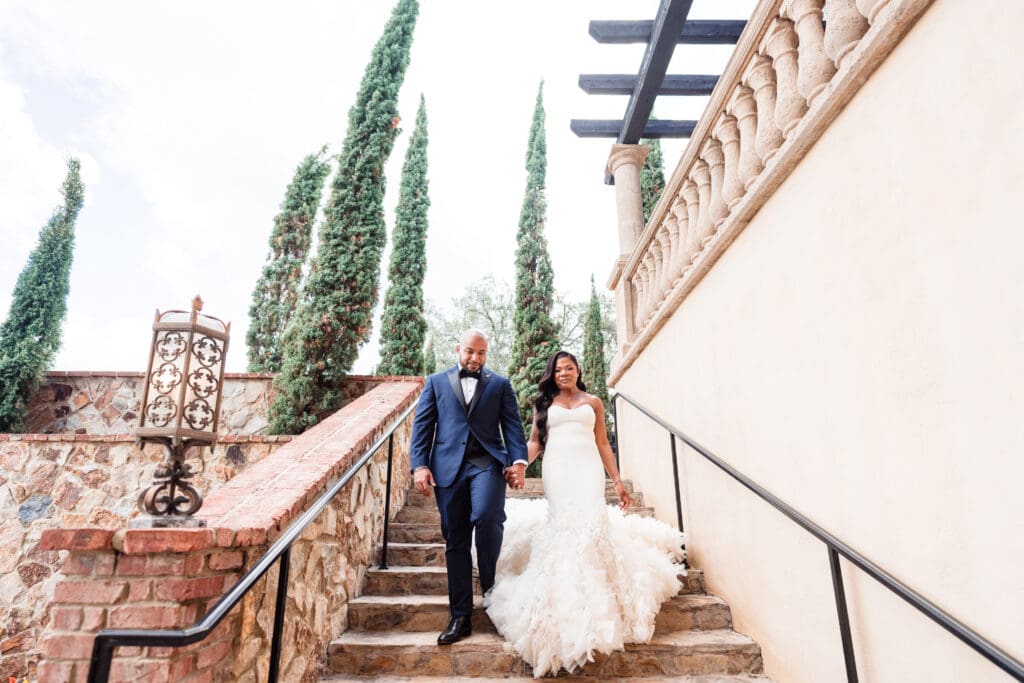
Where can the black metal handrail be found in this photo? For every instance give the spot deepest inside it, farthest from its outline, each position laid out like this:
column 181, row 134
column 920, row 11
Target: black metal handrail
column 109, row 639
column 836, row 547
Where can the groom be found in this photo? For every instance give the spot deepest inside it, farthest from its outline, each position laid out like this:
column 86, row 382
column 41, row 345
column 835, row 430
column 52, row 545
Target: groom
column 457, row 450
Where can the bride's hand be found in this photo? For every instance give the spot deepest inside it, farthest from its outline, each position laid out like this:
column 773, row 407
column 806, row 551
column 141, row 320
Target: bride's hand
column 624, row 498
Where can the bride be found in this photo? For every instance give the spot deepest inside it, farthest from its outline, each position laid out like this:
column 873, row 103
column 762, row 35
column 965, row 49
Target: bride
column 576, row 576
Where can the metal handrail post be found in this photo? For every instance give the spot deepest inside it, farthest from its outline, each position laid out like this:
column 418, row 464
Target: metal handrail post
column 387, row 504
column 849, row 656
column 279, row 607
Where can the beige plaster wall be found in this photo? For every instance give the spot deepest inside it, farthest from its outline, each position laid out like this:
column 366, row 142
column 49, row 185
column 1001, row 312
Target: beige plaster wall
column 858, row 351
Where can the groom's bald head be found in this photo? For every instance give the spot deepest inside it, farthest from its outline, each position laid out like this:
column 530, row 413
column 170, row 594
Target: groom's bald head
column 472, row 350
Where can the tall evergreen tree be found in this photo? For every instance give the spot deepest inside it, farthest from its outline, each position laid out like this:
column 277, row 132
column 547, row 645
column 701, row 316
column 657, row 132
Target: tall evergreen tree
column 429, row 357
column 595, row 368
column 30, row 337
column 276, row 295
column 336, row 312
column 402, row 324
column 652, row 178
column 536, row 336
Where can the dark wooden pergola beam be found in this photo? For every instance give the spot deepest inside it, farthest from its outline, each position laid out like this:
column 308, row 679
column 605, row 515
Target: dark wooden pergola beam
column 667, row 25
column 610, row 128
column 624, row 84
column 694, row 32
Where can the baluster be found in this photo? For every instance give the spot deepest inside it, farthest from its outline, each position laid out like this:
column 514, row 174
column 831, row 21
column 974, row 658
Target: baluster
column 844, row 29
column 701, row 175
column 871, row 8
column 665, row 242
column 815, row 68
column 645, row 289
column 693, row 237
column 636, row 281
column 680, row 258
column 760, row 76
column 780, row 43
column 712, row 154
column 654, row 257
column 744, row 109
column 729, row 133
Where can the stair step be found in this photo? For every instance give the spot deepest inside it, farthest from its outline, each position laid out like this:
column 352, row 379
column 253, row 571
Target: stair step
column 398, row 580
column 410, row 613
column 412, row 514
column 414, row 554
column 406, row 532
column 430, row 613
column 415, row 500
column 407, row 653
column 709, row 678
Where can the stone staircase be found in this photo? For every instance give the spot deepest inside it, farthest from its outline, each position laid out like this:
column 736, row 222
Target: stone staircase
column 393, row 625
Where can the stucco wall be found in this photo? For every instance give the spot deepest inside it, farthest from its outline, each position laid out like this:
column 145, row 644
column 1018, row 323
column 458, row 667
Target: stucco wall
column 857, row 350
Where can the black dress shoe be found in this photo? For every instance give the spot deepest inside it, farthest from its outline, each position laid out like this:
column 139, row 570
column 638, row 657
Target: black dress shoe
column 458, row 628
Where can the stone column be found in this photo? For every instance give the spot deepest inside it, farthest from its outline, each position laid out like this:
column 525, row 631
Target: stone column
column 728, row 132
column 743, row 107
column 624, row 163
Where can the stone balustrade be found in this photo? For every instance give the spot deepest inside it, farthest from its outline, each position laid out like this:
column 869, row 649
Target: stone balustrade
column 796, row 65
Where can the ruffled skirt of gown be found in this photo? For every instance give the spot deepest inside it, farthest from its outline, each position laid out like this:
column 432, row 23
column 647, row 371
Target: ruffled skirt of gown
column 575, row 575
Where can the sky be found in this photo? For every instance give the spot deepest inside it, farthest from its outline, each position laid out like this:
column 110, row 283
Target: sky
column 190, row 119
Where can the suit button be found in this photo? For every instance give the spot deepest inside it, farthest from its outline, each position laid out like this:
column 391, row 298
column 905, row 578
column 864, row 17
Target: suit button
column 463, row 443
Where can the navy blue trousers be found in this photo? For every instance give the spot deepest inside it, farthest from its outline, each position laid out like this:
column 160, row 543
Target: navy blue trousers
column 474, row 501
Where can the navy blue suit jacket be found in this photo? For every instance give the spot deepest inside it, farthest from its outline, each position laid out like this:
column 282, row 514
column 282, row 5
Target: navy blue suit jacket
column 443, row 423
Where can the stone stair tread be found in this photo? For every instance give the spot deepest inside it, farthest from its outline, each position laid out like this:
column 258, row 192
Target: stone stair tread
column 683, row 599
column 702, row 678
column 703, row 641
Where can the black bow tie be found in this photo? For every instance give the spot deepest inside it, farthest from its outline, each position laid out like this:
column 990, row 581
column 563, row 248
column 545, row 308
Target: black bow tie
column 469, row 373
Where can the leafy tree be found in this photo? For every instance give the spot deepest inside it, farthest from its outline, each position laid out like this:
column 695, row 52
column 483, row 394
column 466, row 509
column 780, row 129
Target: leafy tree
column 652, row 178
column 595, row 366
column 487, row 306
column 402, row 324
column 30, row 337
column 536, row 336
column 336, row 311
column 276, row 295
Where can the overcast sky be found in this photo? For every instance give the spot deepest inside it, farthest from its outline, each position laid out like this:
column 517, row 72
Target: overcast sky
column 190, row 118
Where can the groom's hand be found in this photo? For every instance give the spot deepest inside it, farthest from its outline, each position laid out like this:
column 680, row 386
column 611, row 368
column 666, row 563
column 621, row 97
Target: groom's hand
column 423, row 480
column 516, row 476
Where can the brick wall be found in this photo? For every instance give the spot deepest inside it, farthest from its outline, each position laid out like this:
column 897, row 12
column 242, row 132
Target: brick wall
column 169, row 578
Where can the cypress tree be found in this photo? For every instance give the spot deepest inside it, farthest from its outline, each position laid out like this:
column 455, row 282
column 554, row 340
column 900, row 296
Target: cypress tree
column 30, row 337
column 402, row 324
column 536, row 336
column 595, row 369
column 652, row 178
column 429, row 357
column 336, row 311
column 276, row 295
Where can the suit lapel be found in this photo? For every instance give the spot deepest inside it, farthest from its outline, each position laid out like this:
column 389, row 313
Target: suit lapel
column 481, row 384
column 453, row 379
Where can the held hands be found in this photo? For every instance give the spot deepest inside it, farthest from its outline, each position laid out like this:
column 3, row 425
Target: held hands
column 624, row 498
column 423, row 480
column 515, row 476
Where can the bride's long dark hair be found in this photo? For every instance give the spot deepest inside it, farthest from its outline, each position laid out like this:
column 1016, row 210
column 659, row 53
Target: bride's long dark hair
column 548, row 391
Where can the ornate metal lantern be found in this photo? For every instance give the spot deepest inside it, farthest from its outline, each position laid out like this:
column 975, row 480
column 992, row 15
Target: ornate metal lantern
column 181, row 406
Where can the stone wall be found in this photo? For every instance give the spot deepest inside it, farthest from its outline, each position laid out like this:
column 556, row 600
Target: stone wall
column 108, row 402
column 53, row 481
column 145, row 578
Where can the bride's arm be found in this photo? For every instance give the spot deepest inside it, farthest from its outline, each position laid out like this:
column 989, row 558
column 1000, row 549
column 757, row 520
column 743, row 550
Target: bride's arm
column 533, row 445
column 607, row 455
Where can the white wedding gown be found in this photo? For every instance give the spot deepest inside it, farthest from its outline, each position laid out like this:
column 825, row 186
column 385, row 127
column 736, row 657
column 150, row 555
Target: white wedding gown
column 575, row 575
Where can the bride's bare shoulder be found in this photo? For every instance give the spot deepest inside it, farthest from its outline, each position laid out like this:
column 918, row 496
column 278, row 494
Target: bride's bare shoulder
column 594, row 401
